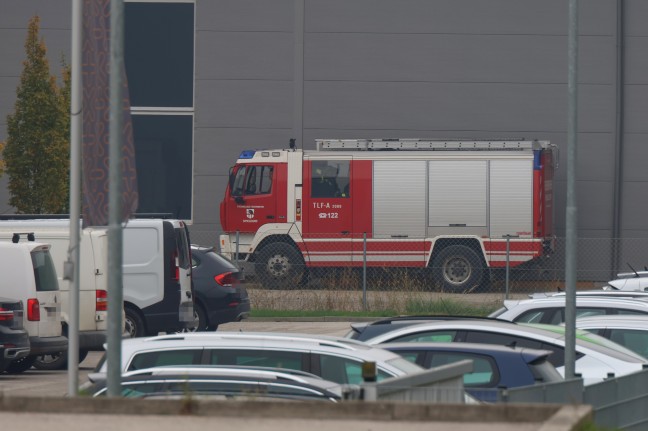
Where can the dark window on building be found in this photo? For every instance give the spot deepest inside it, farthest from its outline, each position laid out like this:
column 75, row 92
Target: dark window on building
column 159, row 53
column 163, row 150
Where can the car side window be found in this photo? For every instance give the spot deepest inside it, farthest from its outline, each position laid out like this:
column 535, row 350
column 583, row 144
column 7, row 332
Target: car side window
column 344, row 370
column 637, row 341
column 441, row 336
column 165, row 357
column 258, row 358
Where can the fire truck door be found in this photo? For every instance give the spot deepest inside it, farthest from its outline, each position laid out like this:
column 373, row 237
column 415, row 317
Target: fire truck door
column 329, row 211
column 254, row 198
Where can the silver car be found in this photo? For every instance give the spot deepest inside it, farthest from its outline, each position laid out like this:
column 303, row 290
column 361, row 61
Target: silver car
column 219, row 382
column 332, row 358
column 551, row 310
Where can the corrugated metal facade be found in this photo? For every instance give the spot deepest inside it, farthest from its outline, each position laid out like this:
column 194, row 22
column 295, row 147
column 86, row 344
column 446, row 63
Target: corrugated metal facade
column 268, row 71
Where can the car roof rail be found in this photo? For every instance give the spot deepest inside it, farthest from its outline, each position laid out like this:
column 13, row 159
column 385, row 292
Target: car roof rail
column 338, row 342
column 405, row 318
column 265, row 372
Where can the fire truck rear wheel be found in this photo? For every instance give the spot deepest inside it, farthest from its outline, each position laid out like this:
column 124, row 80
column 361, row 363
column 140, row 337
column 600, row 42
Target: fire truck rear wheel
column 280, row 266
column 459, row 269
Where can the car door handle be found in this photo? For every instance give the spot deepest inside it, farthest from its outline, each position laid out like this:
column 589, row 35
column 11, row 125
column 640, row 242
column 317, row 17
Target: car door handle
column 270, row 216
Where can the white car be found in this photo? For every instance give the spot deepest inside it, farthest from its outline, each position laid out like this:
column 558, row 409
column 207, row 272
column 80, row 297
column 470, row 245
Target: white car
column 630, row 331
column 333, row 358
column 594, row 292
column 551, row 310
column 596, row 357
column 629, row 281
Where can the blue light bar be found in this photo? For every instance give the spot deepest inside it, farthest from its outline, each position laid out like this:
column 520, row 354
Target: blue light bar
column 247, row 154
column 537, row 160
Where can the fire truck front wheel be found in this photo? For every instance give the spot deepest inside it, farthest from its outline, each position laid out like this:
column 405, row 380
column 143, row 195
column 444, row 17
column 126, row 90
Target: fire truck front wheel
column 459, row 268
column 280, row 266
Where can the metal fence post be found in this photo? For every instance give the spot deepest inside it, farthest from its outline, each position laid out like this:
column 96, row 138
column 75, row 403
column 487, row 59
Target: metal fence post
column 364, row 271
column 237, row 250
column 508, row 266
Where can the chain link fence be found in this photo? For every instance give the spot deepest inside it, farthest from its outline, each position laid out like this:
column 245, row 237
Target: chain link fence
column 402, row 277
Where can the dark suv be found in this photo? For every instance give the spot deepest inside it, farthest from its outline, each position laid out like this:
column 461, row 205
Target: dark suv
column 219, row 293
column 14, row 339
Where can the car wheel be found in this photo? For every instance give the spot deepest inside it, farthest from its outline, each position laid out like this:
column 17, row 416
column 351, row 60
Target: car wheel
column 458, row 268
column 201, row 316
column 52, row 361
column 56, row 361
column 280, row 265
column 21, row 365
column 134, row 323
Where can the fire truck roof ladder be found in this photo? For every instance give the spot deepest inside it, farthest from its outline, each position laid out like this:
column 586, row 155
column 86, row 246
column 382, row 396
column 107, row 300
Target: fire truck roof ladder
column 425, row 144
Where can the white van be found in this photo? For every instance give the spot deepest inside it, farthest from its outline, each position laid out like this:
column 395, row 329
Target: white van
column 156, row 269
column 28, row 274
column 93, row 300
column 158, row 294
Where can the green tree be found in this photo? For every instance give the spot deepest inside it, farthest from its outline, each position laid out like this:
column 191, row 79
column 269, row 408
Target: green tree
column 36, row 152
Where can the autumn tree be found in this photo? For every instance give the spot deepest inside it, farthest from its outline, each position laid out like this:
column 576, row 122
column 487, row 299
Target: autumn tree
column 36, row 152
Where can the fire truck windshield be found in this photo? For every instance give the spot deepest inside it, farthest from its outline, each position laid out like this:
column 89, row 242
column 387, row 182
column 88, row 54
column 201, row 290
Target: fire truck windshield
column 237, row 181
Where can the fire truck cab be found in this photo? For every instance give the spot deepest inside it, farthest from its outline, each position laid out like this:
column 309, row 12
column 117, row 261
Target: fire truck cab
column 446, row 205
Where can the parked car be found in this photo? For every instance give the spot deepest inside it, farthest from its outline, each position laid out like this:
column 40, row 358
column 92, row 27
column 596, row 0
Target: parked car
column 632, row 281
column 552, row 310
column 14, row 339
column 219, row 294
column 630, row 331
column 28, row 275
column 220, row 382
column 596, row 357
column 495, row 367
column 595, row 292
column 332, row 358
column 93, row 285
column 156, row 270
column 363, row 331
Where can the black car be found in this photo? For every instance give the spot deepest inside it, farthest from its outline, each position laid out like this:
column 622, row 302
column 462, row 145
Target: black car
column 14, row 339
column 219, row 293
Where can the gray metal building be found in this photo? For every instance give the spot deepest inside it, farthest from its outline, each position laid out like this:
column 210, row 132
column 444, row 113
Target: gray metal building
column 267, row 71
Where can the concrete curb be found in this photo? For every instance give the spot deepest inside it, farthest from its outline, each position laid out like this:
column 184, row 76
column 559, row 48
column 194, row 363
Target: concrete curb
column 553, row 417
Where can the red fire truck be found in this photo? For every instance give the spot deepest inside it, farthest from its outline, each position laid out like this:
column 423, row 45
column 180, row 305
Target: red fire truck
column 450, row 206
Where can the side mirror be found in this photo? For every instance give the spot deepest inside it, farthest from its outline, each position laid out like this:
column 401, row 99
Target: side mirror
column 239, row 200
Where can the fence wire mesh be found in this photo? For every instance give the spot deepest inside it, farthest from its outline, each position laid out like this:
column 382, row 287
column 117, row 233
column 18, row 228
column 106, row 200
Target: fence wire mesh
column 413, row 275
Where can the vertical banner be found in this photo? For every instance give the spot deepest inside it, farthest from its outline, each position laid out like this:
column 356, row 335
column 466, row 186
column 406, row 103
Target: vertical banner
column 96, row 113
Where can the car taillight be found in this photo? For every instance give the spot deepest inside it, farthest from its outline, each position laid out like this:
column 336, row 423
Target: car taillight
column 102, row 300
column 225, row 279
column 175, row 269
column 6, row 315
column 33, row 310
